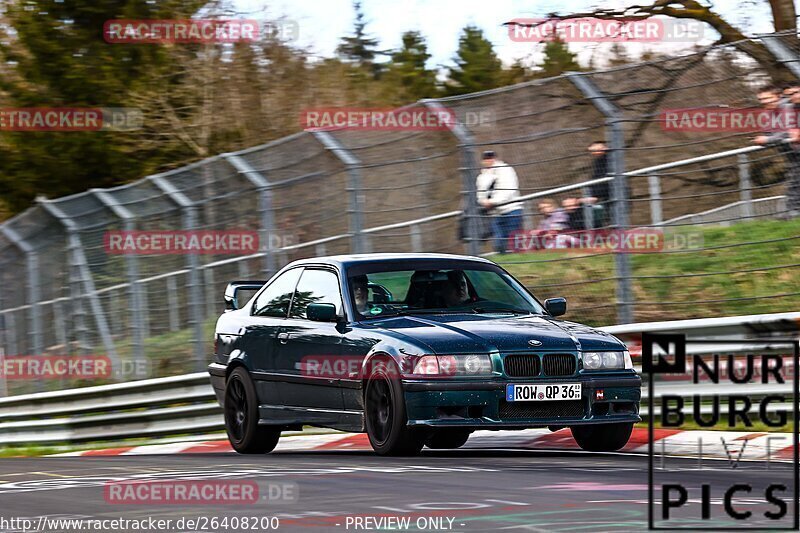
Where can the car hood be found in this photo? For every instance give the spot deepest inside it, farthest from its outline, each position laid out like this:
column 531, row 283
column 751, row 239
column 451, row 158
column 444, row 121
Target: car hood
column 460, row 333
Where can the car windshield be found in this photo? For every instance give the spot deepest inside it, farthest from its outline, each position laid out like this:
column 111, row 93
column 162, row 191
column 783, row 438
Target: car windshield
column 439, row 291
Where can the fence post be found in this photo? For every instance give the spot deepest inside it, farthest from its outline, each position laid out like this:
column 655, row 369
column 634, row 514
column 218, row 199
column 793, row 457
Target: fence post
column 745, row 187
column 782, row 53
column 619, row 189
column 32, row 283
column 656, row 215
column 132, row 265
column 416, row 238
column 356, row 208
column 588, row 210
column 174, row 305
column 264, row 188
column 192, row 263
column 83, row 278
column 469, row 173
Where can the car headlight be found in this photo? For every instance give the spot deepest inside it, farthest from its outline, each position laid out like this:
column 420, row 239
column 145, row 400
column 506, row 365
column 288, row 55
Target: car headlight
column 607, row 360
column 453, row 365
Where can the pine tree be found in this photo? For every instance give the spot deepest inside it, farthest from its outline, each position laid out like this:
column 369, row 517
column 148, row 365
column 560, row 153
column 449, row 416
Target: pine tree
column 360, row 49
column 407, row 77
column 53, row 54
column 477, row 66
column 558, row 59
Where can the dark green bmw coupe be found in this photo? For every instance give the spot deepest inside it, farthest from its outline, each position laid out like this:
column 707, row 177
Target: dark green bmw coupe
column 416, row 350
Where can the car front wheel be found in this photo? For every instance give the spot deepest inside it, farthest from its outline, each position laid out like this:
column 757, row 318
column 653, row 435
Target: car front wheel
column 386, row 418
column 602, row 437
column 241, row 416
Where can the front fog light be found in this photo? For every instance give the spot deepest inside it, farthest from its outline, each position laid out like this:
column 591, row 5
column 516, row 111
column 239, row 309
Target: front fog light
column 591, row 360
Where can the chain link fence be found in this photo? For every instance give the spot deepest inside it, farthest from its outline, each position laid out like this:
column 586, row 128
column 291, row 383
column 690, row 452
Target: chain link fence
column 351, row 191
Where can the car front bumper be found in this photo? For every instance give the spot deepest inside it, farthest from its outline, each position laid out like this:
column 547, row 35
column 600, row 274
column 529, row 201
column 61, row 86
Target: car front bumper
column 482, row 404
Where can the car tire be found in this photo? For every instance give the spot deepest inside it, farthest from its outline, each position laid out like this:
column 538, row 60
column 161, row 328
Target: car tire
column 245, row 434
column 385, row 414
column 602, row 437
column 447, row 439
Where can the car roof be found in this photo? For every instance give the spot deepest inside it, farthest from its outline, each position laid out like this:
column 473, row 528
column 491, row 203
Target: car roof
column 357, row 259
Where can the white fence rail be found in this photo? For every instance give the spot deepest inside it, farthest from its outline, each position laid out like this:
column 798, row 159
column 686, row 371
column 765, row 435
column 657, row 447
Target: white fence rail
column 184, row 405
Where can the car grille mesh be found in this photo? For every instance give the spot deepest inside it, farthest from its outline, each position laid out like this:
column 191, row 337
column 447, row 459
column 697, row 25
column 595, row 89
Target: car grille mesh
column 522, row 366
column 559, row 364
column 551, row 409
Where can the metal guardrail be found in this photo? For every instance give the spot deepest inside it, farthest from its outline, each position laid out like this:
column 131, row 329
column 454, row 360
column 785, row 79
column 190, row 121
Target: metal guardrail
column 186, row 404
column 647, row 171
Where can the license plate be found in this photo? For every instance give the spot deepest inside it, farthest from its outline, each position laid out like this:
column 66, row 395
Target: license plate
column 542, row 392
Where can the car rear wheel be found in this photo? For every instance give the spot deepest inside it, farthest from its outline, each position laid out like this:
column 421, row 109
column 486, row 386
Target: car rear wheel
column 447, row 439
column 386, row 418
column 241, row 416
column 602, row 437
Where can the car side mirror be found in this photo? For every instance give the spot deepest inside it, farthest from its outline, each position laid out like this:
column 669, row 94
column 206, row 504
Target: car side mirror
column 232, row 297
column 321, row 312
column 556, row 306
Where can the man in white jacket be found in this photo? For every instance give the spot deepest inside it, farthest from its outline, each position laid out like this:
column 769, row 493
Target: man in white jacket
column 497, row 188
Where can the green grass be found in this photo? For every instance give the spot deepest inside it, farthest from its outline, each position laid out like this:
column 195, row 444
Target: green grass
column 717, row 280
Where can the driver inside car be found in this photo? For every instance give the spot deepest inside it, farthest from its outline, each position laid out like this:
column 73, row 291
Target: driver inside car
column 456, row 291
column 360, row 286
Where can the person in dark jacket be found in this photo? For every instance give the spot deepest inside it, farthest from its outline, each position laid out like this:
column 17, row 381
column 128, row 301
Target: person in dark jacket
column 600, row 193
column 785, row 138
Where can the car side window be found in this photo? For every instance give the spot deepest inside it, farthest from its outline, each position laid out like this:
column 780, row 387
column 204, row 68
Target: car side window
column 276, row 299
column 316, row 286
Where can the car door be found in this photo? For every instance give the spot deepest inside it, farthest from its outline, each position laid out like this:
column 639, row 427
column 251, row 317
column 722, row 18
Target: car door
column 309, row 351
column 267, row 315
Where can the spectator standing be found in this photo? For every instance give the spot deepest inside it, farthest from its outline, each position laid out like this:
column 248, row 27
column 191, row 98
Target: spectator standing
column 785, row 138
column 497, row 188
column 600, row 198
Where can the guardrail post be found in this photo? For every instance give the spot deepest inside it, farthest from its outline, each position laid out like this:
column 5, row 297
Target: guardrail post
column 356, row 208
column 264, row 188
column 656, row 215
column 745, row 187
column 193, row 265
column 174, row 305
column 588, row 210
column 83, row 277
column 469, row 174
column 32, row 283
column 416, row 238
column 13, row 345
column 211, row 296
column 3, row 343
column 619, row 189
column 132, row 265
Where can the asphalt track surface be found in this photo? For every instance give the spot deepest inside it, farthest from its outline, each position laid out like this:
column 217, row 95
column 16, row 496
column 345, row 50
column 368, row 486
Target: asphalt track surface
column 470, row 490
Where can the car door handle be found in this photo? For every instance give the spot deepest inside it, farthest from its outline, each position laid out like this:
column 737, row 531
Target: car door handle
column 283, row 337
